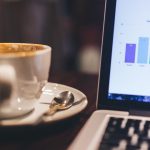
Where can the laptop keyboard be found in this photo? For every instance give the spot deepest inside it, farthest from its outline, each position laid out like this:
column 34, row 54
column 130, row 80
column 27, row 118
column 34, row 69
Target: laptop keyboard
column 126, row 134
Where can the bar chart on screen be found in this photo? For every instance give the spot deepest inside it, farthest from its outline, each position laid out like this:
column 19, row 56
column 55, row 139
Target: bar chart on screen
column 132, row 34
column 142, row 50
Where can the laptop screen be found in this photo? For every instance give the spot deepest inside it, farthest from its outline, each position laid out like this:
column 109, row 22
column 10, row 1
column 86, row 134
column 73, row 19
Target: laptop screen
column 130, row 58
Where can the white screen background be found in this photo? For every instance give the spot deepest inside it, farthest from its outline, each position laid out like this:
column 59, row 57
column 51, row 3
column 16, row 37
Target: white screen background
column 131, row 22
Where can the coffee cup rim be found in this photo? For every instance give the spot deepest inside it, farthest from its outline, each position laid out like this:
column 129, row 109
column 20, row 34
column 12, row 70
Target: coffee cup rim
column 44, row 49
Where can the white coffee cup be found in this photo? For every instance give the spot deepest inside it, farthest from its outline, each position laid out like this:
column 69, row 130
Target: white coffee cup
column 24, row 70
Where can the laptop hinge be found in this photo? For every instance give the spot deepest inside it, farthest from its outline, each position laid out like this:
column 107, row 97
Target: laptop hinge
column 139, row 113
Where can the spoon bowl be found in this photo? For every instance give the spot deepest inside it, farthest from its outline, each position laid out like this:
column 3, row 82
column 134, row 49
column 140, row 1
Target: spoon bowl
column 64, row 99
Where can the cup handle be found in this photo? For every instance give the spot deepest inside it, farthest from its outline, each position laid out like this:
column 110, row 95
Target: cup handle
column 7, row 82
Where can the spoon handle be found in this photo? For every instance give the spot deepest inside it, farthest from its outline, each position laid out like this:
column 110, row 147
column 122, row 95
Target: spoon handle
column 52, row 110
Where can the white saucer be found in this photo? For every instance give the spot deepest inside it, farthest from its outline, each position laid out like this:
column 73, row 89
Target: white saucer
column 49, row 92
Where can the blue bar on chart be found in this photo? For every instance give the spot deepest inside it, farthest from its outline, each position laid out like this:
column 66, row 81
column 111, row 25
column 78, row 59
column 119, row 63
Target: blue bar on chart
column 143, row 50
column 130, row 53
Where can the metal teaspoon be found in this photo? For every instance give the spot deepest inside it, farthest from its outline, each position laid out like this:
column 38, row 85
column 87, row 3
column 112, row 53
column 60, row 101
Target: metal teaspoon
column 63, row 101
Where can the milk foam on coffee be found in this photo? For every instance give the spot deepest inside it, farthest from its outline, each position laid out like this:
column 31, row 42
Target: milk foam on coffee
column 20, row 49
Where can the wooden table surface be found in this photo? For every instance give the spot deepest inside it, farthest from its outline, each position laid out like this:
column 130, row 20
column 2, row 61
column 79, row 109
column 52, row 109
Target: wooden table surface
column 57, row 136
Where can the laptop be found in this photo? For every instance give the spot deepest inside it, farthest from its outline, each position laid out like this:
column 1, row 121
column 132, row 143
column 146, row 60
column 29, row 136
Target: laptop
column 122, row 118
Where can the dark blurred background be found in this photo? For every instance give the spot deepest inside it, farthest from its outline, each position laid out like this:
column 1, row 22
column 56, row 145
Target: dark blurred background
column 71, row 27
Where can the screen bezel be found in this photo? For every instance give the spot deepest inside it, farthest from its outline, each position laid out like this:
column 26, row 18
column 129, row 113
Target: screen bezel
column 106, row 50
